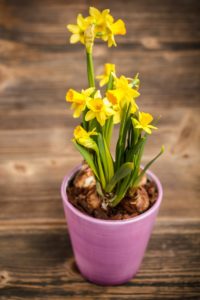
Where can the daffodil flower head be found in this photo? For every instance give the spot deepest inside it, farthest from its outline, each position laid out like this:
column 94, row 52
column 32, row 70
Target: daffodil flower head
column 117, row 28
column 105, row 26
column 100, row 109
column 117, row 114
column 78, row 30
column 83, row 137
column 123, row 92
column 97, row 25
column 78, row 100
column 104, row 78
column 143, row 122
column 124, row 85
column 100, row 19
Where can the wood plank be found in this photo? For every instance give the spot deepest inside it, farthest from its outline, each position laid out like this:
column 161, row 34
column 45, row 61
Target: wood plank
column 37, row 195
column 44, row 268
column 34, row 185
column 170, row 77
column 33, row 163
column 178, row 130
column 161, row 21
column 37, row 66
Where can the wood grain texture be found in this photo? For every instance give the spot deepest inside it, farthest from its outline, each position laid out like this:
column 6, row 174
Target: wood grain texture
column 42, row 271
column 37, row 66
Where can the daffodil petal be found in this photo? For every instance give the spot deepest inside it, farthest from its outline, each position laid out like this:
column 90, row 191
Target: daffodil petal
column 94, row 12
column 73, row 28
column 103, row 81
column 101, row 118
column 89, row 115
column 77, row 111
column 147, row 129
column 118, row 27
column 80, row 20
column 75, row 38
column 97, row 94
column 153, row 127
column 117, row 117
column 88, row 91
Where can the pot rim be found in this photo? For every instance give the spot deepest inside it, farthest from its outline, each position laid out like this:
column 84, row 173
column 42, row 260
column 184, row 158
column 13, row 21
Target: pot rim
column 91, row 219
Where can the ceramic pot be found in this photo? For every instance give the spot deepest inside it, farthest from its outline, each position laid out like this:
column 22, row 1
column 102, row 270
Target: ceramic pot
column 109, row 252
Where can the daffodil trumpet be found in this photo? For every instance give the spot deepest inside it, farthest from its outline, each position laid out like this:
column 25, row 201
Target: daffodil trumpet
column 100, row 112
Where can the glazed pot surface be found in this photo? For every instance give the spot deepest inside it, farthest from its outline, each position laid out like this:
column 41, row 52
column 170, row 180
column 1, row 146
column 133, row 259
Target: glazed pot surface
column 109, row 252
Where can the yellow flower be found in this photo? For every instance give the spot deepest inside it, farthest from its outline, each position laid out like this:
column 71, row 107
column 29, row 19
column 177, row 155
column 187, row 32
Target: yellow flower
column 83, row 137
column 78, row 100
column 100, row 19
column 101, row 22
column 123, row 93
column 143, row 122
column 134, row 107
column 78, row 30
column 117, row 28
column 117, row 114
column 104, row 78
column 118, row 111
column 105, row 27
column 99, row 109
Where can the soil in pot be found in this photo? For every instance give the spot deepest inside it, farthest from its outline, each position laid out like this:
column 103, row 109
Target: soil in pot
column 82, row 194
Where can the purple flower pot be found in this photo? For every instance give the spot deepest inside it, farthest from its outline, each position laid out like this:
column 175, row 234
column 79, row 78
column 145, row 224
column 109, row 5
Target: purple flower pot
column 109, row 252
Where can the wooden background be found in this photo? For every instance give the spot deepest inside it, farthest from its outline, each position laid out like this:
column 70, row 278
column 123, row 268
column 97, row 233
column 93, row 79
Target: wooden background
column 37, row 66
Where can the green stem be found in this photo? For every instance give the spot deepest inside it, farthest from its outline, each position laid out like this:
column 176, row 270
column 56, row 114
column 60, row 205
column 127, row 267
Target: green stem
column 122, row 137
column 90, row 70
column 108, row 128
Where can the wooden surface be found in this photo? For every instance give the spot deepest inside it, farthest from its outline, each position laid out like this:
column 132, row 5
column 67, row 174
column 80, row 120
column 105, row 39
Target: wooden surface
column 37, row 66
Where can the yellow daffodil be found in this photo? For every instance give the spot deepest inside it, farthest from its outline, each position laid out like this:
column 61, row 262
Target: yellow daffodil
column 134, row 107
column 118, row 111
column 100, row 20
column 101, row 23
column 105, row 27
column 99, row 109
column 143, row 122
column 117, row 114
column 104, row 78
column 83, row 137
column 117, row 28
column 123, row 93
column 78, row 30
column 78, row 100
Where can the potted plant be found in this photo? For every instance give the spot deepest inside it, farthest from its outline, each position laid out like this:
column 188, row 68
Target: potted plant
column 110, row 202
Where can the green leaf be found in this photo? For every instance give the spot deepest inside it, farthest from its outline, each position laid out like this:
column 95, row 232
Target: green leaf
column 107, row 130
column 137, row 160
column 106, row 157
column 101, row 172
column 121, row 191
column 87, row 156
column 102, row 154
column 121, row 143
column 109, row 160
column 135, row 149
column 99, row 189
column 148, row 165
column 110, row 82
column 90, row 69
column 122, row 172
